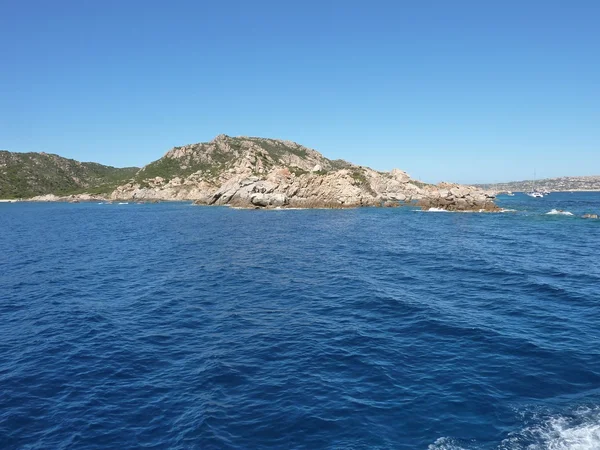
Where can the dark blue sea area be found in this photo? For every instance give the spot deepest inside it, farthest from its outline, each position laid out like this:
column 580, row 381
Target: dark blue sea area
column 172, row 326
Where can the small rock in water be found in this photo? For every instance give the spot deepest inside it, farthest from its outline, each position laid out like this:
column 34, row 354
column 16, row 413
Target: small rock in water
column 590, row 216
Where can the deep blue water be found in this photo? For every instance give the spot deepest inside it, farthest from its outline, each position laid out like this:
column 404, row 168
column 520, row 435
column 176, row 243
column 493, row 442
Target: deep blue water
column 174, row 326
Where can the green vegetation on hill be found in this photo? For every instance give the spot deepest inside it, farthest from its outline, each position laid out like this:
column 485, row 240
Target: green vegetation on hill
column 212, row 158
column 420, row 184
column 25, row 175
column 278, row 149
column 361, row 180
column 169, row 168
column 165, row 167
column 339, row 164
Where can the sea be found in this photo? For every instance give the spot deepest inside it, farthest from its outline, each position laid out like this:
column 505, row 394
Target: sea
column 173, row 326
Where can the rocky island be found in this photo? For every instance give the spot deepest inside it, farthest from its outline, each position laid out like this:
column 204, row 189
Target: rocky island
column 252, row 172
column 256, row 172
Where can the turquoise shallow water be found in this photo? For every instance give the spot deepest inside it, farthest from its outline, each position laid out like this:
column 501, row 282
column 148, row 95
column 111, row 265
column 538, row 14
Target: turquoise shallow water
column 174, row 326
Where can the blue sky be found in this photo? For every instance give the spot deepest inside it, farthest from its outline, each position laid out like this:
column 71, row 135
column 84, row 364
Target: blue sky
column 466, row 91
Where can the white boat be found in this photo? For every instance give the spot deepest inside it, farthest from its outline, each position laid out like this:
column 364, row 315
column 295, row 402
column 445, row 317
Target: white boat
column 535, row 194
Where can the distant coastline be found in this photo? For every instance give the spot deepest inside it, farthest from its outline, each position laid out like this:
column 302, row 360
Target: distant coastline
column 564, row 190
column 589, row 183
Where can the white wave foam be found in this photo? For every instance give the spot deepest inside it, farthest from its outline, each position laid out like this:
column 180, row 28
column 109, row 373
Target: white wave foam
column 507, row 210
column 123, row 203
column 579, row 430
column 445, row 444
column 559, row 212
column 437, row 210
column 460, row 212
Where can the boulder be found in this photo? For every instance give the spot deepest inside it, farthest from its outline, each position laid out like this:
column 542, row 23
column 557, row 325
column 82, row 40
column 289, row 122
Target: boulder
column 462, row 204
column 459, row 191
column 398, row 196
column 260, row 199
column 265, row 187
column 400, row 175
column 278, row 200
column 444, row 193
column 264, row 200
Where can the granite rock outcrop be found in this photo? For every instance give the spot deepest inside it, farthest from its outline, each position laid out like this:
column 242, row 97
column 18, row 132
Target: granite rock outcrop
column 252, row 172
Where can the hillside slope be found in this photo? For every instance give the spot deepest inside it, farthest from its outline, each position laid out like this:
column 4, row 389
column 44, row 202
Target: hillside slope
column 25, row 175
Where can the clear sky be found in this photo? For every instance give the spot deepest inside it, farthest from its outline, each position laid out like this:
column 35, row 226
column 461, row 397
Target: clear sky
column 466, row 91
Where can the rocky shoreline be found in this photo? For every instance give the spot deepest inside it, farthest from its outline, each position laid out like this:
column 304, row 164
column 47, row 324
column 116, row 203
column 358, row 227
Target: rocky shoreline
column 280, row 189
column 443, row 197
column 258, row 196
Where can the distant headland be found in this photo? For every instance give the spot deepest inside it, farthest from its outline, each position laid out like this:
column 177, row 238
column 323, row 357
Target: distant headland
column 561, row 184
column 247, row 172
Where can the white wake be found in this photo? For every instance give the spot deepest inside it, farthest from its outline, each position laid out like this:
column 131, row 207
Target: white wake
column 579, row 430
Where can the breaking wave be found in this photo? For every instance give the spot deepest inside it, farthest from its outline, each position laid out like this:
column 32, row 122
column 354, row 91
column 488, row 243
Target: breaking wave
column 437, row 210
column 445, row 444
column 579, row 430
column 559, row 212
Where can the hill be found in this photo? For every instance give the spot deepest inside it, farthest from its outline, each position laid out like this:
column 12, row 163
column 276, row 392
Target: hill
column 261, row 172
column 25, row 175
column 588, row 183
